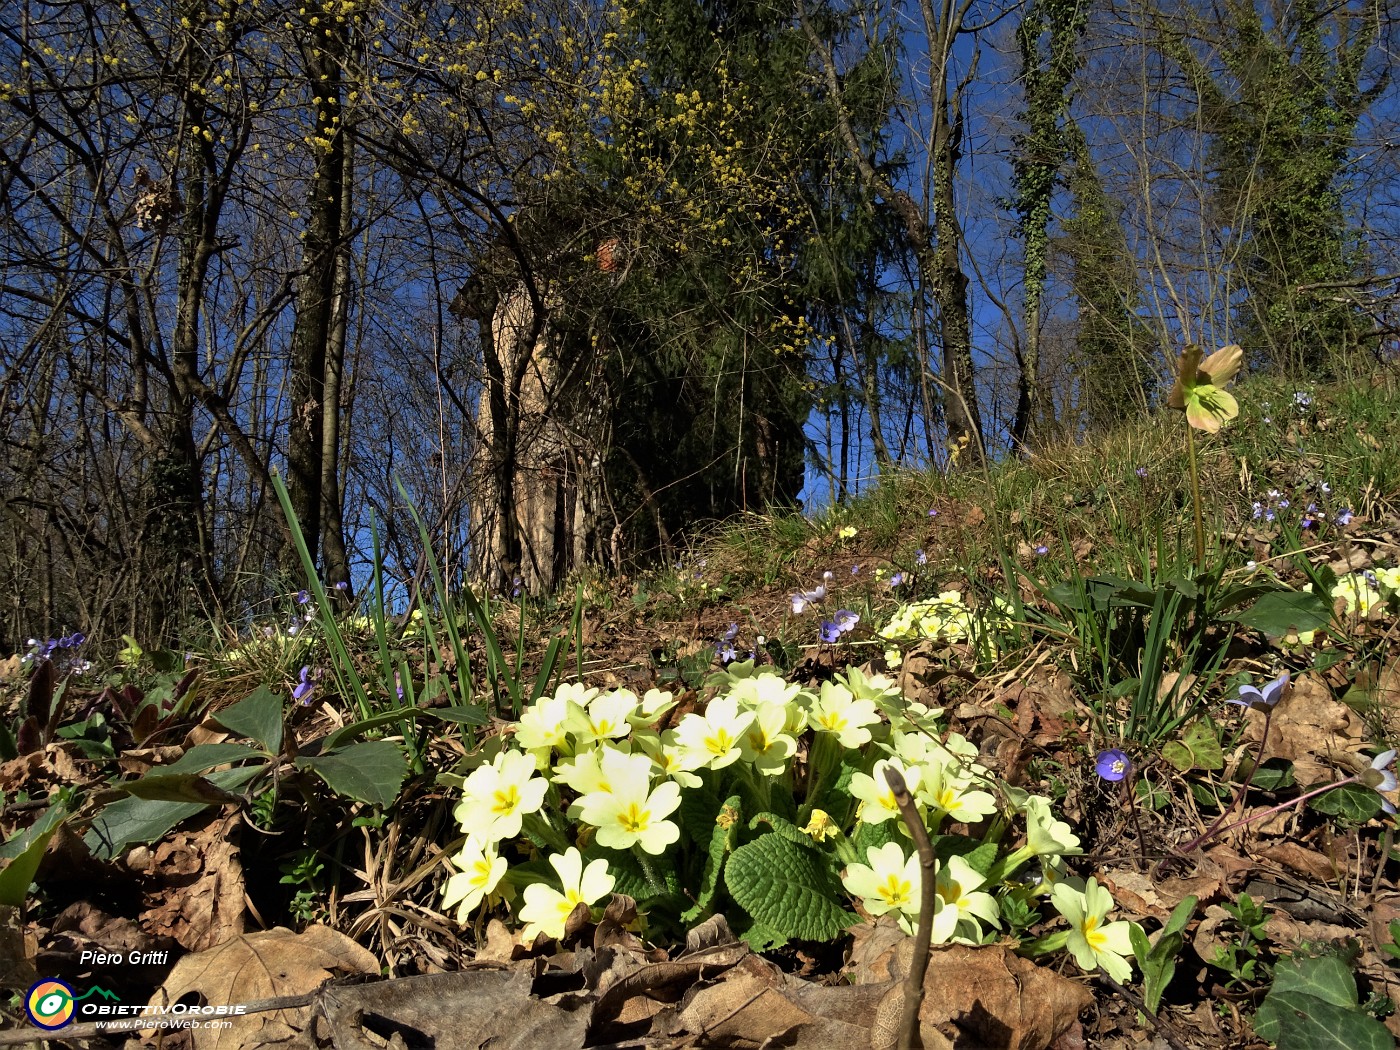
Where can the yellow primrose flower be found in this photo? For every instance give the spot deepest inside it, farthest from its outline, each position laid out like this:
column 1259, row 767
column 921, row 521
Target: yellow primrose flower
column 542, row 728
column 838, row 711
column 950, row 789
column 821, row 827
column 1091, row 942
column 963, row 903
column 547, row 910
column 605, row 717
column 714, row 738
column 495, row 798
column 877, row 803
column 629, row 812
column 889, row 883
column 848, row 532
column 479, row 870
column 766, row 743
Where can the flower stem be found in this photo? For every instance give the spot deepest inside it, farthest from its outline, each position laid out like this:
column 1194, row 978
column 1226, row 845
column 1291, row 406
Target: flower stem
column 1239, row 795
column 1355, row 779
column 653, row 877
column 1196, row 495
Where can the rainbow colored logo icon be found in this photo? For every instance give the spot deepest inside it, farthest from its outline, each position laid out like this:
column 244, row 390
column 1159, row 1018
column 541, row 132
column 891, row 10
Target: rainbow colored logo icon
column 50, row 1004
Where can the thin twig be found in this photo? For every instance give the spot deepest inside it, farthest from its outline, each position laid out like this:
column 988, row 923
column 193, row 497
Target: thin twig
column 914, row 979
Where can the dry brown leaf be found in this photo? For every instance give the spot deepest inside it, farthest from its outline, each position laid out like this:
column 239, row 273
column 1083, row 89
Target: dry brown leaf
column 18, row 946
column 200, row 901
column 1310, row 729
column 262, row 965
column 1305, row 861
column 987, row 993
column 501, row 945
column 1135, row 895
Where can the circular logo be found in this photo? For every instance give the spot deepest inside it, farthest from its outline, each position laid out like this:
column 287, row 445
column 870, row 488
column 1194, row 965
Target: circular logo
column 50, row 1004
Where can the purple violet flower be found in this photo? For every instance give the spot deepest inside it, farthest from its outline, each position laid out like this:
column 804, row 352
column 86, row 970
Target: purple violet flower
column 305, row 687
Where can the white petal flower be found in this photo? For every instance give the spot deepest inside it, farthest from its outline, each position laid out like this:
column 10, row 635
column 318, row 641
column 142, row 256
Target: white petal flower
column 714, row 738
column 889, row 883
column 547, row 910
column 1091, row 942
column 495, row 798
column 629, row 812
column 479, row 870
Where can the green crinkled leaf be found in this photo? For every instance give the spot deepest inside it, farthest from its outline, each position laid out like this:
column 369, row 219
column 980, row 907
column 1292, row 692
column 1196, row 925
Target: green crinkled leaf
column 1198, row 748
column 696, row 813
column 1312, row 1006
column 137, row 821
column 723, row 834
column 787, row 888
column 1278, row 612
column 760, row 938
column 369, row 772
column 868, row 836
column 1350, row 801
column 258, row 717
column 784, row 827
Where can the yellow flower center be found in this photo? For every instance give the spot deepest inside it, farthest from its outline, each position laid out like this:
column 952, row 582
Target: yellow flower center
column 719, row 742
column 1092, row 933
column 505, row 800
column 634, row 818
column 895, row 891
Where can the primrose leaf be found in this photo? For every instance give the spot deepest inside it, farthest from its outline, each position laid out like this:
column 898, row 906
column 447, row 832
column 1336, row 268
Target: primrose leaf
column 787, row 889
column 724, row 830
column 370, row 772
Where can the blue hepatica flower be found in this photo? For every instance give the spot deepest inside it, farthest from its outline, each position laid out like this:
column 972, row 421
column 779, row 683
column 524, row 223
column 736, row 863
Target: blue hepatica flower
column 305, row 687
column 1261, row 700
column 897, row 580
column 1113, row 764
column 1042, row 550
column 920, row 558
column 1344, row 517
column 1141, row 472
column 838, row 625
column 303, row 597
column 802, row 599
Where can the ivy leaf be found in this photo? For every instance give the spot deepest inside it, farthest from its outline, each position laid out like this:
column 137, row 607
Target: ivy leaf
column 1350, row 801
column 1312, row 1006
column 1200, row 391
column 1198, row 748
column 787, row 889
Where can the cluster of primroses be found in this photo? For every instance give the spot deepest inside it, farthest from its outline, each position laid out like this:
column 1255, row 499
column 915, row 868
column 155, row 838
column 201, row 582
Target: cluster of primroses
column 591, row 782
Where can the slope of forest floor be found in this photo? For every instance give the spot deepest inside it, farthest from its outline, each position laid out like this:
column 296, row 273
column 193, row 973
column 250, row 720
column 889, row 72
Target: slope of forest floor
column 1045, row 623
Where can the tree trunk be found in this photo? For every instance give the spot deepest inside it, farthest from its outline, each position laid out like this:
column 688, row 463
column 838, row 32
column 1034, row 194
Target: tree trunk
column 316, row 297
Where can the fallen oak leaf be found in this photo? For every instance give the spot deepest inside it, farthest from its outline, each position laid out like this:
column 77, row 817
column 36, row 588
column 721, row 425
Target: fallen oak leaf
column 264, row 965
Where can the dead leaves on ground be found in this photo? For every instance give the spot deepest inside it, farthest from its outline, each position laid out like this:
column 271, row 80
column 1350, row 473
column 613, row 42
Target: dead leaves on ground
column 612, row 990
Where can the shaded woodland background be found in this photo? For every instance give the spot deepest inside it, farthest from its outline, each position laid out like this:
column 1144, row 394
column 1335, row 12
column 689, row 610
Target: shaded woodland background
column 584, row 275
